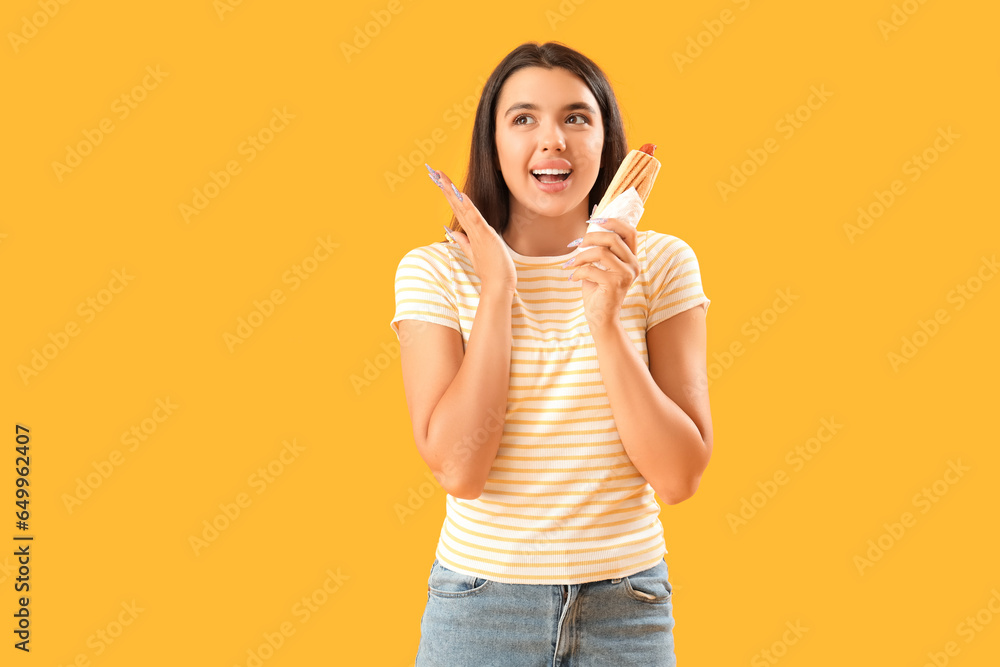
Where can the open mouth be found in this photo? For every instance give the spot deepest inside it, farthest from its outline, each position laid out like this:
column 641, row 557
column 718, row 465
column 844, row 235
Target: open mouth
column 551, row 175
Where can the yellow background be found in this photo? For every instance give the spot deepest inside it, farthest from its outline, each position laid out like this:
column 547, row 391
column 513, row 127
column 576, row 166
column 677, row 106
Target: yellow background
column 335, row 505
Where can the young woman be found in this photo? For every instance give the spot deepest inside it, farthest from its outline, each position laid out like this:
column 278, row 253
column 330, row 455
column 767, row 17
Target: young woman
column 551, row 398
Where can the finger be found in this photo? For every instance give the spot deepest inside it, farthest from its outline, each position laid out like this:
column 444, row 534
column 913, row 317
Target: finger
column 611, row 242
column 614, row 278
column 451, row 235
column 465, row 211
column 463, row 242
column 589, row 272
column 602, row 258
column 452, row 193
column 624, row 248
column 621, row 228
column 475, row 224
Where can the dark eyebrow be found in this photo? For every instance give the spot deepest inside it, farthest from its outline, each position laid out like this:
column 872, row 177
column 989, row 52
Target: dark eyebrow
column 534, row 107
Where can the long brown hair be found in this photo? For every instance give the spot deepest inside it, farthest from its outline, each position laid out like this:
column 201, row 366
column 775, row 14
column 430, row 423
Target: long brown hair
column 484, row 182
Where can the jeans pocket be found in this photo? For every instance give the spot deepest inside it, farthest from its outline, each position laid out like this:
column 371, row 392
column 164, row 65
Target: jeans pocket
column 446, row 583
column 651, row 586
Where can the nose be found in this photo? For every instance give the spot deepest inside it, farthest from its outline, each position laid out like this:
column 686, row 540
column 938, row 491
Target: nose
column 553, row 139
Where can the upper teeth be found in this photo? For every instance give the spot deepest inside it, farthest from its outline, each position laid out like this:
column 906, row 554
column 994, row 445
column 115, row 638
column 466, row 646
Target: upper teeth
column 550, row 171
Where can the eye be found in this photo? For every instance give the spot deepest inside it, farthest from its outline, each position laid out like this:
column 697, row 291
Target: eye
column 576, row 115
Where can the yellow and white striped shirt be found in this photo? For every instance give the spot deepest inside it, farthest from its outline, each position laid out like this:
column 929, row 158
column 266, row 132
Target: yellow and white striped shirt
column 563, row 503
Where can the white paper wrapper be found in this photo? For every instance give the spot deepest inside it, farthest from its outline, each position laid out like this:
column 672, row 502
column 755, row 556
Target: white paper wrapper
column 627, row 206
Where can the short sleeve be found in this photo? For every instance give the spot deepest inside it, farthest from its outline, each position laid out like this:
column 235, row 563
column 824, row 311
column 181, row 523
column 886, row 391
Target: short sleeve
column 423, row 290
column 674, row 278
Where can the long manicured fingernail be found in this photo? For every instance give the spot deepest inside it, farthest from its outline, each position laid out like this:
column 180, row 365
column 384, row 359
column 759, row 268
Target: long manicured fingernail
column 457, row 193
column 575, row 242
column 433, row 173
column 568, row 262
column 592, row 212
column 598, row 221
column 436, row 182
column 448, row 232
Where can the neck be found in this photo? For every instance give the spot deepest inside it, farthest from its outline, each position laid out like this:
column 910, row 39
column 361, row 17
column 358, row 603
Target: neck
column 533, row 235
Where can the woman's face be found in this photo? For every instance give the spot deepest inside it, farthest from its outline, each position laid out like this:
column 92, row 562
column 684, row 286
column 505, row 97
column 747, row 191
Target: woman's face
column 548, row 119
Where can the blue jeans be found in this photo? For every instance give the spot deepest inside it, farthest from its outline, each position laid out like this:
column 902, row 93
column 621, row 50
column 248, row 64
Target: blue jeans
column 474, row 622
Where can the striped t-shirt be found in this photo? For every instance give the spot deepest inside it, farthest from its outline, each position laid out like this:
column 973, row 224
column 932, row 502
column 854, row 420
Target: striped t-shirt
column 563, row 503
